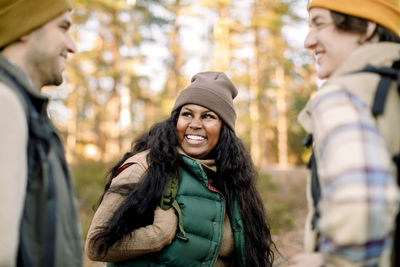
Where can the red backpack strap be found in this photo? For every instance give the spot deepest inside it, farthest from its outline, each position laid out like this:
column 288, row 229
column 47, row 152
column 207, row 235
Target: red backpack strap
column 123, row 167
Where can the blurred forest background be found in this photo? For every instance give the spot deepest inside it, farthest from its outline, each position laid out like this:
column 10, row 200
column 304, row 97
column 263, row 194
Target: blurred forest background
column 134, row 57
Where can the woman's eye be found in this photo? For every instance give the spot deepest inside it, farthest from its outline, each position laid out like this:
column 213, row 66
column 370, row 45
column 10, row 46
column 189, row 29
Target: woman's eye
column 186, row 114
column 209, row 116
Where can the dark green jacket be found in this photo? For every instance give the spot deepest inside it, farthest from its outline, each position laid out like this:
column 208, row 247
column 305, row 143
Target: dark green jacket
column 50, row 233
column 203, row 212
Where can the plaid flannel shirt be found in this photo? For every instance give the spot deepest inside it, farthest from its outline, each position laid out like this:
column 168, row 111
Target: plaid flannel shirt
column 359, row 194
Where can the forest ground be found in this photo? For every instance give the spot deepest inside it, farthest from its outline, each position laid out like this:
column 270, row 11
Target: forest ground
column 288, row 203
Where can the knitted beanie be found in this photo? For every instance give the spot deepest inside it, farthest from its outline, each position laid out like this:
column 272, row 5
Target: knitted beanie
column 214, row 91
column 383, row 12
column 20, row 17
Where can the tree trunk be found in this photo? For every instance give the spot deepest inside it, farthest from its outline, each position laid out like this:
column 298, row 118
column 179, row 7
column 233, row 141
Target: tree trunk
column 282, row 124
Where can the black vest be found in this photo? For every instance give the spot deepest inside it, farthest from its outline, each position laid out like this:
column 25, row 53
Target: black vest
column 46, row 239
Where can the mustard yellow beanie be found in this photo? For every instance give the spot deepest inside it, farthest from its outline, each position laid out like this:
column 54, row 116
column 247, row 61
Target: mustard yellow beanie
column 19, row 17
column 384, row 12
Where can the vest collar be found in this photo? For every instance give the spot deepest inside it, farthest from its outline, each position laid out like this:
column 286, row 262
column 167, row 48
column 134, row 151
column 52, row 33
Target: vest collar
column 207, row 163
column 22, row 78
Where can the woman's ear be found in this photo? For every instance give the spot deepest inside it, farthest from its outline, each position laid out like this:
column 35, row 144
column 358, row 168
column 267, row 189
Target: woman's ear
column 369, row 34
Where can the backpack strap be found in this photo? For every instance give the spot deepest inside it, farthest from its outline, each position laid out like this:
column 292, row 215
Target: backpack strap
column 168, row 200
column 122, row 168
column 396, row 241
column 380, row 96
column 388, row 75
column 315, row 185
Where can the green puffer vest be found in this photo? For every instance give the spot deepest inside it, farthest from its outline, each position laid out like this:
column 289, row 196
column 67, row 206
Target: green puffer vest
column 202, row 217
column 50, row 233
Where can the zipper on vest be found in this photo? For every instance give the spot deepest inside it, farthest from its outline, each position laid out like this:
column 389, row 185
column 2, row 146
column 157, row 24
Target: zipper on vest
column 213, row 189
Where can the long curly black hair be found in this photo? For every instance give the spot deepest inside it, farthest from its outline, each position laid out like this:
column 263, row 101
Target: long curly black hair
column 235, row 178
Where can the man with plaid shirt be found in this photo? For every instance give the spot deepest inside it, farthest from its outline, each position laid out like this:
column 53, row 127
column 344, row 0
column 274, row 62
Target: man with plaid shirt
column 353, row 212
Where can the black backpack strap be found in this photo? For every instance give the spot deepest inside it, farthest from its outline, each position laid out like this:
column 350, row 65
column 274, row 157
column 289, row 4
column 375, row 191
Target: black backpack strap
column 315, row 189
column 396, row 160
column 396, row 241
column 38, row 146
column 380, row 96
column 388, row 75
column 315, row 185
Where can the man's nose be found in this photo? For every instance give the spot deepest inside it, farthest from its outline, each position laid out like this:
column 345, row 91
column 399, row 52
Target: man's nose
column 71, row 46
column 310, row 41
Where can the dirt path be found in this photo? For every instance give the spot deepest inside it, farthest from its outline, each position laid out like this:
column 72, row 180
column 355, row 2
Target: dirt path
column 291, row 191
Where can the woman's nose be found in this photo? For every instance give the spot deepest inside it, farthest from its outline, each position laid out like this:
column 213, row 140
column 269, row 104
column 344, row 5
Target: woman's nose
column 195, row 123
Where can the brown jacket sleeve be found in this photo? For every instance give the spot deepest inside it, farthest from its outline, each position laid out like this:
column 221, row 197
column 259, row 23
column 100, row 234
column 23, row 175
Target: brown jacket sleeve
column 141, row 241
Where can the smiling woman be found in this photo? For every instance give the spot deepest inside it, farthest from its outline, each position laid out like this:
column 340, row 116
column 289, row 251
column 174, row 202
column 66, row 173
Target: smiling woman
column 222, row 220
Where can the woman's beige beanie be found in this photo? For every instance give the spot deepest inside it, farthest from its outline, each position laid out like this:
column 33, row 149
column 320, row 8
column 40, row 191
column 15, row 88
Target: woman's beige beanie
column 213, row 90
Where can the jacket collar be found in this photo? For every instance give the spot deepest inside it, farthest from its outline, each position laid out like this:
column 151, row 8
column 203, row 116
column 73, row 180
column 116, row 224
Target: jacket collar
column 377, row 54
column 23, row 79
column 208, row 163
